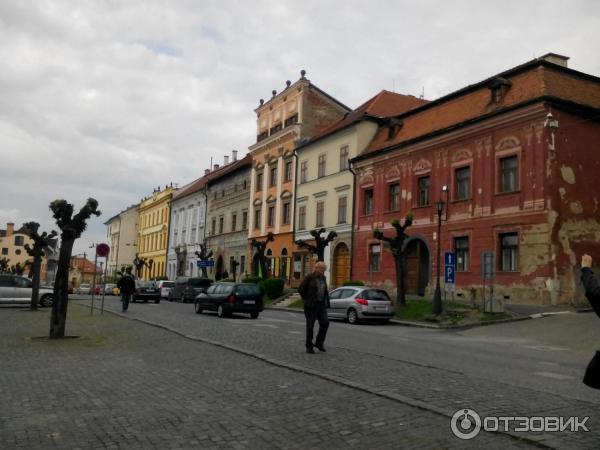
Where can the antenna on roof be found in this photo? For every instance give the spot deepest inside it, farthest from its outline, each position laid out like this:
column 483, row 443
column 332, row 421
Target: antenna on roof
column 422, row 96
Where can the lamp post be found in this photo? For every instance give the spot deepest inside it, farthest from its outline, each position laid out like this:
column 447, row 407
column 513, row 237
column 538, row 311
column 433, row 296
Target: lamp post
column 437, row 296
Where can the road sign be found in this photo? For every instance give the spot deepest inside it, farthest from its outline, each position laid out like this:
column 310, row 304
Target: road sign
column 449, row 274
column 205, row 263
column 449, row 259
column 102, row 250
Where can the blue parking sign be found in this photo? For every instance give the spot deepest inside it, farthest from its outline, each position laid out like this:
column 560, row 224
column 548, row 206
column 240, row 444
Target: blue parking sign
column 449, row 274
column 449, row 259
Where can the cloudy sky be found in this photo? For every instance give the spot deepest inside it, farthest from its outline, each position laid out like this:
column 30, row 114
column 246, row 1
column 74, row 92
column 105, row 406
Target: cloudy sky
column 110, row 99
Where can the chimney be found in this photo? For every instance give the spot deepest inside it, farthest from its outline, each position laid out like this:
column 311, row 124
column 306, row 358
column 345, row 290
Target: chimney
column 225, row 160
column 10, row 229
column 206, row 172
column 554, row 58
column 216, row 167
column 234, row 155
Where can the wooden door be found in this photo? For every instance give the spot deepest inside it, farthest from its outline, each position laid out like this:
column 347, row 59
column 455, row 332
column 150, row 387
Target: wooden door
column 412, row 268
column 341, row 265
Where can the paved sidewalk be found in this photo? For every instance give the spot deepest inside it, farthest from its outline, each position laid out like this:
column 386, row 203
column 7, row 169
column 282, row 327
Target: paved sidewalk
column 437, row 390
column 127, row 385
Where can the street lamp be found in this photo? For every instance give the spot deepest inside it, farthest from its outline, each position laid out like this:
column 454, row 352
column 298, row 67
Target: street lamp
column 437, row 296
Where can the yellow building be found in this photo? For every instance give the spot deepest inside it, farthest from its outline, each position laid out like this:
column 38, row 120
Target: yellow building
column 153, row 232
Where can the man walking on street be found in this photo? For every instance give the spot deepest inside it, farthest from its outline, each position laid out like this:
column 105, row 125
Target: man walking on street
column 127, row 286
column 315, row 296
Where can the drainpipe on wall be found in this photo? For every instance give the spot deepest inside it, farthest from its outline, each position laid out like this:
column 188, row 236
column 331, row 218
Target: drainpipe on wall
column 353, row 216
column 168, row 236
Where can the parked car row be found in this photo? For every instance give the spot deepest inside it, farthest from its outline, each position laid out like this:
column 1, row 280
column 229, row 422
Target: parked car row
column 350, row 303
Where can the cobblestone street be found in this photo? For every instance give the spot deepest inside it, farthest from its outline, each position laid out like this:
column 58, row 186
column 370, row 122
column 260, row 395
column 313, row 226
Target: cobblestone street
column 124, row 384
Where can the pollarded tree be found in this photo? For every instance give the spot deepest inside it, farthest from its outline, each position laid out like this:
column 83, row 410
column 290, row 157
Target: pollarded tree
column 399, row 252
column 18, row 268
column 261, row 246
column 40, row 244
column 139, row 262
column 320, row 242
column 204, row 254
column 71, row 226
column 4, row 264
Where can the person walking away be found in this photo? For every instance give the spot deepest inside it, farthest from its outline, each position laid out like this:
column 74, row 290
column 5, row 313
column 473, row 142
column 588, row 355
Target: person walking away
column 592, row 292
column 127, row 286
column 315, row 297
column 590, row 284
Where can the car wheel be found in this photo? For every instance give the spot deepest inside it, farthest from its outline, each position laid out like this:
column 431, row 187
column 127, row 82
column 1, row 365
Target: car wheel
column 145, row 300
column 157, row 300
column 221, row 311
column 170, row 298
column 254, row 314
column 46, row 300
column 197, row 308
column 352, row 316
column 132, row 299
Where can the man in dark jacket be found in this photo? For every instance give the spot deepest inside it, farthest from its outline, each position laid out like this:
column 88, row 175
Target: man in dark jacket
column 127, row 286
column 592, row 289
column 315, row 296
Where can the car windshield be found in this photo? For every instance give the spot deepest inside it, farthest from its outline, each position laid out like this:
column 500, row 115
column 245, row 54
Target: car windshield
column 144, row 284
column 248, row 289
column 168, row 284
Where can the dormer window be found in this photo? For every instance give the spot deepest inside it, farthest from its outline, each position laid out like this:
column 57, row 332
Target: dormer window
column 394, row 126
column 498, row 87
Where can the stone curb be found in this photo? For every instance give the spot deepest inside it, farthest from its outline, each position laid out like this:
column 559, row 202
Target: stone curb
column 332, row 378
column 433, row 326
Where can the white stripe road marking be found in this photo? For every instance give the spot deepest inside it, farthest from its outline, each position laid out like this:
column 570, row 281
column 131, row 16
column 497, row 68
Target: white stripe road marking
column 295, row 332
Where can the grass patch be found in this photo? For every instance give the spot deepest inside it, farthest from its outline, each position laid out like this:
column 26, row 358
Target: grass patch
column 298, row 304
column 453, row 313
column 414, row 310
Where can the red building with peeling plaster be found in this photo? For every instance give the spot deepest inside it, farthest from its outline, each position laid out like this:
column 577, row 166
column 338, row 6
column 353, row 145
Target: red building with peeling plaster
column 519, row 153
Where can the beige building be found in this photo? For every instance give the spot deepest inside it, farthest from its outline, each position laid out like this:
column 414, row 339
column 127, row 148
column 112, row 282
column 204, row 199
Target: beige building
column 300, row 111
column 12, row 246
column 228, row 194
column 122, row 236
column 325, row 183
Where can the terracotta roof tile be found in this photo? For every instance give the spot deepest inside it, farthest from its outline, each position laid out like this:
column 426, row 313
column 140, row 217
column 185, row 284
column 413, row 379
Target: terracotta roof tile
column 384, row 104
column 528, row 82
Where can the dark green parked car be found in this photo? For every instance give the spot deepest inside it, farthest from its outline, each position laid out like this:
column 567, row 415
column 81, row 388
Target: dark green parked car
column 226, row 298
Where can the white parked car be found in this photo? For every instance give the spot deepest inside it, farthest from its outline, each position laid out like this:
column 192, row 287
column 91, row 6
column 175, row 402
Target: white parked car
column 16, row 289
column 356, row 303
column 84, row 288
column 165, row 287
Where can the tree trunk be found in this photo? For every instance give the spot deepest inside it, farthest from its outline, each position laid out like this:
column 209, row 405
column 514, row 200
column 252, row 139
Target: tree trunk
column 58, row 320
column 35, row 271
column 263, row 267
column 400, row 295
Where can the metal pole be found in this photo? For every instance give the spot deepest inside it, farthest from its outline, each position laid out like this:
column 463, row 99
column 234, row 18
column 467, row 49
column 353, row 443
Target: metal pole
column 437, row 296
column 104, row 286
column 93, row 281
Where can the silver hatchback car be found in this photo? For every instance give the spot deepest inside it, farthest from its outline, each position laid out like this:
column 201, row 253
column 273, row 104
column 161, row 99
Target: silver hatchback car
column 17, row 289
column 355, row 303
